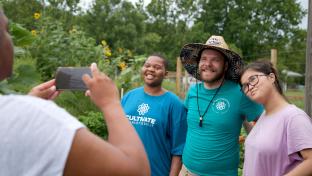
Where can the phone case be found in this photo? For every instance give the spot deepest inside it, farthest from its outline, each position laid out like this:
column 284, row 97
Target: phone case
column 70, row 78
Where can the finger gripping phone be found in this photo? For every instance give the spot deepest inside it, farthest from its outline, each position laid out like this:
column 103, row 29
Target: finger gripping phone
column 70, row 78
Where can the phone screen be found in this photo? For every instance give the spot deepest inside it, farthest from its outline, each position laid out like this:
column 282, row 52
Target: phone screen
column 70, row 78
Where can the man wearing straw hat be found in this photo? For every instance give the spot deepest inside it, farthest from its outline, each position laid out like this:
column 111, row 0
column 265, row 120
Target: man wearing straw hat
column 216, row 109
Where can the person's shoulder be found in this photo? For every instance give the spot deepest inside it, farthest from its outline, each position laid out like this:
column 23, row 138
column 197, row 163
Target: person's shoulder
column 135, row 90
column 173, row 97
column 25, row 100
column 193, row 87
column 234, row 89
column 47, row 109
column 232, row 85
column 139, row 91
column 33, row 105
column 39, row 104
column 293, row 110
column 294, row 115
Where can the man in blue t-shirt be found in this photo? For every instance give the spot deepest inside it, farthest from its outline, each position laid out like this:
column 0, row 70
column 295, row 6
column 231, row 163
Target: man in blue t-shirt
column 159, row 118
column 216, row 109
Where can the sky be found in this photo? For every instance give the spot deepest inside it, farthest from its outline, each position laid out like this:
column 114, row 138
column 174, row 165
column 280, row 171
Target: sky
column 145, row 1
column 304, row 4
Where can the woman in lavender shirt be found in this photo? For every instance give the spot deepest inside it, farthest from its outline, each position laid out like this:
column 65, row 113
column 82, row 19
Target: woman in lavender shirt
column 281, row 141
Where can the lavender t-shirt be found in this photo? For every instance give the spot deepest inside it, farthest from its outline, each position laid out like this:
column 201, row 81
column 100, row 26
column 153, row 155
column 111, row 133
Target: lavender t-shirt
column 272, row 147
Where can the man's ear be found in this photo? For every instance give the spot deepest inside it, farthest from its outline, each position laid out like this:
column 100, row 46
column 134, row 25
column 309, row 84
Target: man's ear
column 166, row 73
column 226, row 66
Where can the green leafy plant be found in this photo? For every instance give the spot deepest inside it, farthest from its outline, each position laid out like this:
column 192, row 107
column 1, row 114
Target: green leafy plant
column 75, row 102
column 24, row 75
column 56, row 47
column 95, row 122
column 130, row 77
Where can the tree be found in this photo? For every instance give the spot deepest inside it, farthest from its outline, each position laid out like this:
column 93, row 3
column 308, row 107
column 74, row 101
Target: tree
column 254, row 26
column 24, row 14
column 293, row 56
column 64, row 11
column 165, row 22
column 59, row 10
column 118, row 22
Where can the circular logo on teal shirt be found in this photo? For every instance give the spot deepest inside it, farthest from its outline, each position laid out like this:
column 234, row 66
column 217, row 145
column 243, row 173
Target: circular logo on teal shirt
column 221, row 106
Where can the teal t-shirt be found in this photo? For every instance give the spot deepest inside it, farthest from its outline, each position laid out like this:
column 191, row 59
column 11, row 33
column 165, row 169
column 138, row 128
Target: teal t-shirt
column 160, row 121
column 213, row 149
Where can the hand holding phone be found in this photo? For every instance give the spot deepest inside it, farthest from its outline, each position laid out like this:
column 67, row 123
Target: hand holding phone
column 70, row 78
column 46, row 90
column 102, row 90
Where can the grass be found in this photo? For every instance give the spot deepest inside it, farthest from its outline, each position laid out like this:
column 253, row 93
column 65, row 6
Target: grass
column 296, row 97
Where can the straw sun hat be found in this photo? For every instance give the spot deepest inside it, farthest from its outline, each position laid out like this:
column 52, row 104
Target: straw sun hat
column 190, row 56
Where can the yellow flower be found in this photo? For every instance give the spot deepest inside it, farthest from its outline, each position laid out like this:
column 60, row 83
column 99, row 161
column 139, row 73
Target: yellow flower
column 103, row 42
column 73, row 30
column 107, row 52
column 33, row 32
column 37, row 15
column 120, row 50
column 122, row 65
column 129, row 53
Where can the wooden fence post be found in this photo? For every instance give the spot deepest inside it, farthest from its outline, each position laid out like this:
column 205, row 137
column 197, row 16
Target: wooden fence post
column 308, row 69
column 178, row 76
column 121, row 93
column 274, row 57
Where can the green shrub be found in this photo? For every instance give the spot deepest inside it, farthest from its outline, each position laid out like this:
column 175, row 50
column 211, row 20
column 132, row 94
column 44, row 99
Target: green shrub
column 24, row 76
column 55, row 47
column 75, row 102
column 95, row 122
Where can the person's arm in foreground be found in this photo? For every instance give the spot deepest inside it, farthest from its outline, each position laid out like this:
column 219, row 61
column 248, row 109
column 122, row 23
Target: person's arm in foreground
column 304, row 168
column 124, row 154
column 45, row 90
column 176, row 165
column 247, row 126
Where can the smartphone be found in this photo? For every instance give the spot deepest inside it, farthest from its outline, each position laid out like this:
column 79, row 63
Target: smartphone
column 70, row 78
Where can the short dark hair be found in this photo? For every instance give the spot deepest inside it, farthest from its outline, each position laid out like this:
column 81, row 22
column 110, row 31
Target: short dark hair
column 162, row 57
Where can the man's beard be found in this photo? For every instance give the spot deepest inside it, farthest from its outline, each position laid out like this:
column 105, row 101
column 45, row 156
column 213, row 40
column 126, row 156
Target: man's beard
column 216, row 78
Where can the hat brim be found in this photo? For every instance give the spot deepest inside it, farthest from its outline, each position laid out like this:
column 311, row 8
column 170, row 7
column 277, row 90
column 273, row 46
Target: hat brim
column 190, row 56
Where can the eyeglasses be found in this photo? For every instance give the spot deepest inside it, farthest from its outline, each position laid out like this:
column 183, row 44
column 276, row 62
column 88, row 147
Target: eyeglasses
column 252, row 81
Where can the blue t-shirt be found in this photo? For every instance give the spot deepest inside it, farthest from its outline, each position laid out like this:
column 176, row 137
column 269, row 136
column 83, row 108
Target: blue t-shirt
column 160, row 122
column 213, row 149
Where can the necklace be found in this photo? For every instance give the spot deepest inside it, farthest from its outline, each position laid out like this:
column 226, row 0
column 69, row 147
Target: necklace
column 201, row 117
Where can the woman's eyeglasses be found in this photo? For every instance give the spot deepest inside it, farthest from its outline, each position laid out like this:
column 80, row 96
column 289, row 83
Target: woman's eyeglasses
column 252, row 81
